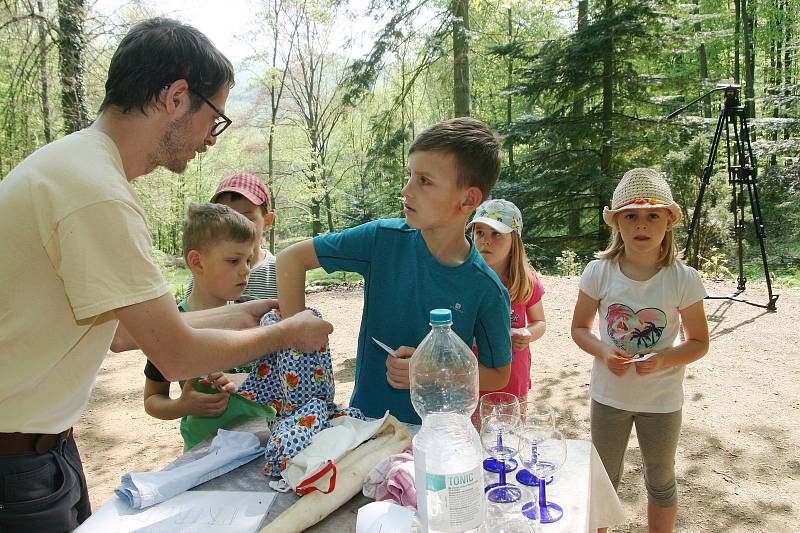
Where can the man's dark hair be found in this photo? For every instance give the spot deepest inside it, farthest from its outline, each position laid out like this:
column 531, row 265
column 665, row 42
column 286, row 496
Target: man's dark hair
column 155, row 53
column 475, row 148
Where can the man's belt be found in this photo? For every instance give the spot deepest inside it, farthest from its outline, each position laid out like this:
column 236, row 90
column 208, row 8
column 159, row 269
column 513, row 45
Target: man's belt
column 16, row 443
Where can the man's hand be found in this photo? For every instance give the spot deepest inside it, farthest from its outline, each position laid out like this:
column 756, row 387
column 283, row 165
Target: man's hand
column 520, row 338
column 615, row 361
column 195, row 403
column 397, row 367
column 305, row 331
column 248, row 314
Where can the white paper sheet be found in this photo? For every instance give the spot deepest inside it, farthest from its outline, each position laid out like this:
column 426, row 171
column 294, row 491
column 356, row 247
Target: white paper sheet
column 192, row 511
column 384, row 517
column 638, row 358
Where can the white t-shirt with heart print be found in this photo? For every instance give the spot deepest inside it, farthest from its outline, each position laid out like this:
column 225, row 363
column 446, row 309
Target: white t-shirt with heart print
column 640, row 316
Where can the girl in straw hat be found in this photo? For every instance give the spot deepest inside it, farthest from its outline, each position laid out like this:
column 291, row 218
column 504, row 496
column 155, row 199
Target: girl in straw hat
column 642, row 296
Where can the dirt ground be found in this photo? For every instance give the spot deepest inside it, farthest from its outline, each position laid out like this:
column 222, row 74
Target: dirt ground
column 738, row 463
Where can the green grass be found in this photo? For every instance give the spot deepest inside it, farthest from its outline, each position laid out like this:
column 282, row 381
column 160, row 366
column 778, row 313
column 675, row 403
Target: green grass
column 178, row 279
column 319, row 277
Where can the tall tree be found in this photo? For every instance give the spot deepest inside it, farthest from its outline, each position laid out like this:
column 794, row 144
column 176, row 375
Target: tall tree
column 283, row 19
column 71, row 15
column 461, row 76
column 315, row 83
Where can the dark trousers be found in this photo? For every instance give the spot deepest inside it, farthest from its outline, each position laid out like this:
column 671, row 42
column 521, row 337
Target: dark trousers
column 43, row 492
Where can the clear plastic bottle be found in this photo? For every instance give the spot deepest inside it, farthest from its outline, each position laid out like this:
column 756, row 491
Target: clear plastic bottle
column 447, row 449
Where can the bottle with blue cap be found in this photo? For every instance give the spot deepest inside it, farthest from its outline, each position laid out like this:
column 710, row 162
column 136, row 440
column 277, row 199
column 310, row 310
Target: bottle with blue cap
column 447, row 449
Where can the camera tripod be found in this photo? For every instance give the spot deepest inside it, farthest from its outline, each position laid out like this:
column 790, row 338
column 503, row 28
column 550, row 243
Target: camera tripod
column 741, row 178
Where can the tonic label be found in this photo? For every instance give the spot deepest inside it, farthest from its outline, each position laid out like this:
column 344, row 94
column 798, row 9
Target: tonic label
column 460, row 496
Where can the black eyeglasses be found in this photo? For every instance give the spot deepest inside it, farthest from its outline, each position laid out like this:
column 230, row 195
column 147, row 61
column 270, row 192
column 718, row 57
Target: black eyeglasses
column 222, row 123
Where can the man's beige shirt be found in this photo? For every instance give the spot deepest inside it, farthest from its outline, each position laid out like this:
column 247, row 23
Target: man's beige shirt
column 75, row 246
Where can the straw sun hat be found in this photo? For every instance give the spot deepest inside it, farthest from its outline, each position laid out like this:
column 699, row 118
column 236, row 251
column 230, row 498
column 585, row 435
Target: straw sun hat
column 641, row 188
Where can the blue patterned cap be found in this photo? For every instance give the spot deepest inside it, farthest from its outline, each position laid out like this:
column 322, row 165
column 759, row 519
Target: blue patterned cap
column 500, row 215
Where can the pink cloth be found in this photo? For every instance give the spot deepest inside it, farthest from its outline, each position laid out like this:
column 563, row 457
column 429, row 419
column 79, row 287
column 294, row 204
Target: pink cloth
column 520, row 381
column 393, row 479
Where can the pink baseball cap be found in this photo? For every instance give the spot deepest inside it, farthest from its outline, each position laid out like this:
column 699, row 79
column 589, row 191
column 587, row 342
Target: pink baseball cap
column 248, row 186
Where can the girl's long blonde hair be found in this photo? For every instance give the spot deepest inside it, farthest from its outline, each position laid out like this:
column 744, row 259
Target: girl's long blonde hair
column 520, row 286
column 616, row 247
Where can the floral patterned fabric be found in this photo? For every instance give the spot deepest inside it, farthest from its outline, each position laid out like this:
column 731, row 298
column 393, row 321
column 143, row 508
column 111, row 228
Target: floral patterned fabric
column 293, row 434
column 287, row 378
column 300, row 387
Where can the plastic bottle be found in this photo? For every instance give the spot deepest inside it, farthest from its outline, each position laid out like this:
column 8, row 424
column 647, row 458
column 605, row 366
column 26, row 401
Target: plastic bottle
column 447, row 449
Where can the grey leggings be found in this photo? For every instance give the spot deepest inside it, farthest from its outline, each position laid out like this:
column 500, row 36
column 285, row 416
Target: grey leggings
column 658, row 440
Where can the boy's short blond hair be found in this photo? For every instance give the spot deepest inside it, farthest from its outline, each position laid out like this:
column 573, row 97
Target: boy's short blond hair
column 475, row 147
column 207, row 225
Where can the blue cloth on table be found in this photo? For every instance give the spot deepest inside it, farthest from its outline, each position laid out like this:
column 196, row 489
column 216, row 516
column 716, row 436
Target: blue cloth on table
column 228, row 450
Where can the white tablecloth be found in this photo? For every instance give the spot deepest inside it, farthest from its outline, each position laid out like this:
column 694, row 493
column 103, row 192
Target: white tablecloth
column 581, row 487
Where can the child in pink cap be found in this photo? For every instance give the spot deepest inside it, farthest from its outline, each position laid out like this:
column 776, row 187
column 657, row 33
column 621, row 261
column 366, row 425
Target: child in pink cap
column 248, row 195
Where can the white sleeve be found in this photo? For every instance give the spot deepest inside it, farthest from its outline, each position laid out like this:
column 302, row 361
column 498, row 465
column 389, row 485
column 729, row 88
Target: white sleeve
column 590, row 280
column 693, row 289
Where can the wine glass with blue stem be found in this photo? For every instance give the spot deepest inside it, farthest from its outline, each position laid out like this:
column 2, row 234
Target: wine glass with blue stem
column 498, row 403
column 541, row 417
column 543, row 452
column 500, row 439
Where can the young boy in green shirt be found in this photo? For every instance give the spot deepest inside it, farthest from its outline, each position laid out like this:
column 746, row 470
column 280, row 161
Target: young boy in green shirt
column 218, row 248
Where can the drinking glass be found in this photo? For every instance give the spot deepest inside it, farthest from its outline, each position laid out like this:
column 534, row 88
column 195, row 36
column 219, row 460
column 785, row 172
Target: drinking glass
column 500, row 439
column 498, row 403
column 544, row 454
column 538, row 417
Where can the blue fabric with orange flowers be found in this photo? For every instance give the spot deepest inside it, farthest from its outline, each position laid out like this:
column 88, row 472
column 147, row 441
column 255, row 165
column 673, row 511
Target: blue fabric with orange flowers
column 300, row 387
column 293, row 434
column 287, row 378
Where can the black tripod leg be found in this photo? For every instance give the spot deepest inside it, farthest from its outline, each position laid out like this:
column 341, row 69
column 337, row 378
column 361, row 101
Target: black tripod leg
column 736, row 176
column 758, row 222
column 709, row 168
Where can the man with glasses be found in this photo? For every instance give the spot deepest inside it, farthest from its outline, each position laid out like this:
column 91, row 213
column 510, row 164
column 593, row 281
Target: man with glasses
column 77, row 275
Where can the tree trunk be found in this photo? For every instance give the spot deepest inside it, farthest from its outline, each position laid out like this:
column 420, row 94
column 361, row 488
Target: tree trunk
column 788, row 24
column 461, row 80
column 508, row 99
column 736, row 38
column 316, row 220
column 46, row 120
column 748, row 30
column 270, row 163
column 329, row 211
column 574, row 217
column 73, row 90
column 702, row 61
column 606, row 152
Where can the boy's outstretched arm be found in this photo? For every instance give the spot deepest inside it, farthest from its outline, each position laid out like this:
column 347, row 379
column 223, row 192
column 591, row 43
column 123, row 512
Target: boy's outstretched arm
column 292, row 265
column 491, row 379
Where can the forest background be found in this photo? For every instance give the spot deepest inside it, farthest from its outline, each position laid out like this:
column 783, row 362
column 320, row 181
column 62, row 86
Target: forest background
column 330, row 94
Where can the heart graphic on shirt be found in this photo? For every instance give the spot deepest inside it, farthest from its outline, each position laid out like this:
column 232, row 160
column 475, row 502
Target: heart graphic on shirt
column 634, row 331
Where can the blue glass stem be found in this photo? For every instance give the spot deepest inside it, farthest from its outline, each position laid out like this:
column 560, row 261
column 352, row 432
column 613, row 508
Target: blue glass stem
column 502, row 461
column 542, row 494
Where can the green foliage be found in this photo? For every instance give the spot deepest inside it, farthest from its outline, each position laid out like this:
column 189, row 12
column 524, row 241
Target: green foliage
column 319, row 278
column 713, row 267
column 537, row 76
column 568, row 264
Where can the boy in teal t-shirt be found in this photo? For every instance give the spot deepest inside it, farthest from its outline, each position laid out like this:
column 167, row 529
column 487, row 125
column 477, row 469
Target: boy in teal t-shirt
column 416, row 264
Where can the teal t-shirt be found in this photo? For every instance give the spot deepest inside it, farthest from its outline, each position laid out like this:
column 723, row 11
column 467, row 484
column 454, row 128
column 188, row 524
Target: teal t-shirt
column 402, row 283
